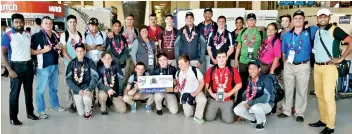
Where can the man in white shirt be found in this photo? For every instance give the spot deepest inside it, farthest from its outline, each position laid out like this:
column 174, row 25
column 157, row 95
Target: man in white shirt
column 95, row 40
column 190, row 83
column 36, row 28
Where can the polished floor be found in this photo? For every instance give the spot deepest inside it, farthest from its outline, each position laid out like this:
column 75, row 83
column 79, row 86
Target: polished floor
column 142, row 122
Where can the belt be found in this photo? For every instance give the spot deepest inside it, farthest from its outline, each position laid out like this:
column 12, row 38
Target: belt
column 299, row 63
column 20, row 62
column 322, row 63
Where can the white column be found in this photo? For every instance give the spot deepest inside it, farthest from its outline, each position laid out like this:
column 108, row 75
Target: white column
column 215, row 4
column 148, row 11
column 98, row 4
column 194, row 5
column 256, row 5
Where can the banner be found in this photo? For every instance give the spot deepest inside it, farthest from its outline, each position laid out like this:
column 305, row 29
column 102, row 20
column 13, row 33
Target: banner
column 31, row 8
column 155, row 84
column 344, row 19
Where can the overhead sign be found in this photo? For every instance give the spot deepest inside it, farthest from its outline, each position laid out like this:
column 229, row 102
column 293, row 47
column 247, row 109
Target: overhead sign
column 296, row 3
column 345, row 20
column 32, row 8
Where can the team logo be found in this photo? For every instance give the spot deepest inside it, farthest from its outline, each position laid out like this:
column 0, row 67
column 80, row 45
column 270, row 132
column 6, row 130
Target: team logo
column 153, row 81
column 142, row 81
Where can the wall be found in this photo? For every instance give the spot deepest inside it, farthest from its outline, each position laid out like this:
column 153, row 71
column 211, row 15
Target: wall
column 118, row 5
column 179, row 5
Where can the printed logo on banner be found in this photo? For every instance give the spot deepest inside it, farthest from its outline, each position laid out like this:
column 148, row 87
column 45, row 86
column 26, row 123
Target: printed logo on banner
column 344, row 19
column 142, row 81
column 55, row 9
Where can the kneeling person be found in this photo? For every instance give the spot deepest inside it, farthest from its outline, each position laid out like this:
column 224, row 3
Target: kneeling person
column 108, row 85
column 258, row 99
column 131, row 92
column 82, row 78
column 221, row 82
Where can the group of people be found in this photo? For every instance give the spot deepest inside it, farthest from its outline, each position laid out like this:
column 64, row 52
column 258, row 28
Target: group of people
column 212, row 67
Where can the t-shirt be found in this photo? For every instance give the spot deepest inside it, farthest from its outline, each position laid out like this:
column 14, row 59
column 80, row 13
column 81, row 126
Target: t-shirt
column 48, row 58
column 98, row 39
column 223, row 76
column 192, row 82
column 269, row 51
column 168, row 43
column 18, row 45
column 154, row 34
column 217, row 41
column 71, row 41
column 247, row 37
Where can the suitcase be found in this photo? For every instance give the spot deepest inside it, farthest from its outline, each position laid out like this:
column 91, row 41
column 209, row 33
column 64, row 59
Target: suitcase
column 344, row 85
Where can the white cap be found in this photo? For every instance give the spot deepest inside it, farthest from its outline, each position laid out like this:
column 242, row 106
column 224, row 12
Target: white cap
column 323, row 11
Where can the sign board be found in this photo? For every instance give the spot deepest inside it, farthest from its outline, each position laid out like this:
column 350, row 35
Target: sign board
column 344, row 19
column 32, row 8
column 264, row 17
column 155, row 84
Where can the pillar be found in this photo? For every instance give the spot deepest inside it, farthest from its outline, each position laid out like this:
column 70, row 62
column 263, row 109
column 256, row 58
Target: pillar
column 215, row 4
column 194, row 5
column 148, row 11
column 256, row 5
column 99, row 4
column 237, row 4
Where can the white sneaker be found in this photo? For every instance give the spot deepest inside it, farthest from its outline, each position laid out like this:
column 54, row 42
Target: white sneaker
column 200, row 121
column 43, row 115
column 58, row 109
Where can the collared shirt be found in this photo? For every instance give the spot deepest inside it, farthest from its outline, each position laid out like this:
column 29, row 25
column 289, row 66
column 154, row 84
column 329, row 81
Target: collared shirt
column 300, row 44
column 192, row 82
column 39, row 40
column 332, row 37
column 217, row 41
column 19, row 45
column 98, row 39
column 270, row 51
column 35, row 29
column 207, row 29
column 72, row 40
column 154, row 34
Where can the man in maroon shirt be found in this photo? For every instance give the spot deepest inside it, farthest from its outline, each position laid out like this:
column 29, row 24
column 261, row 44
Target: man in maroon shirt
column 167, row 39
column 154, row 30
column 221, row 82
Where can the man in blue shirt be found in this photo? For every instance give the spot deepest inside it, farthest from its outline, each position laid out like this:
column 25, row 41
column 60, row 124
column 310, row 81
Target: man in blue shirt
column 296, row 51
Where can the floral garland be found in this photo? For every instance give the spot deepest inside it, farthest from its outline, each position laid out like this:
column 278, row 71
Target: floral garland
column 118, row 49
column 129, row 42
column 187, row 36
column 75, row 75
column 223, row 41
column 106, row 80
column 263, row 48
column 250, row 97
column 205, row 30
column 181, row 85
column 246, row 40
column 171, row 39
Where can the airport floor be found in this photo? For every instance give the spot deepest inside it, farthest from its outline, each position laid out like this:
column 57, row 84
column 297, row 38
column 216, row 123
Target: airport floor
column 142, row 122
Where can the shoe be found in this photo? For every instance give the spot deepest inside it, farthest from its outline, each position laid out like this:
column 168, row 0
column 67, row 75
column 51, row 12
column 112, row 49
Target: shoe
column 58, row 109
column 43, row 115
column 282, row 115
column 148, row 108
column 254, row 122
column 71, row 109
column 134, row 107
column 327, row 130
column 159, row 112
column 143, row 101
column 200, row 121
column 299, row 119
column 88, row 115
column 318, row 124
column 15, row 122
column 260, row 126
column 32, row 117
column 163, row 103
column 312, row 92
column 104, row 113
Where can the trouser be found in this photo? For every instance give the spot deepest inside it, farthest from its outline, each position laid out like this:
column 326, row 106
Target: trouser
column 225, row 107
column 118, row 103
column 256, row 112
column 202, row 68
column 172, row 62
column 25, row 74
column 130, row 99
column 207, row 62
column 128, row 70
column 325, row 77
column 243, row 70
column 296, row 77
column 171, row 101
column 68, row 93
column 47, row 76
column 201, row 101
column 83, row 104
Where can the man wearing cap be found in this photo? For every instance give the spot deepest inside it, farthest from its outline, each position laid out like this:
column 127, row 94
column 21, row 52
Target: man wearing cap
column 167, row 40
column 154, row 30
column 249, row 41
column 192, row 43
column 285, row 24
column 296, row 50
column 129, row 31
column 325, row 71
column 206, row 27
column 95, row 40
column 220, row 39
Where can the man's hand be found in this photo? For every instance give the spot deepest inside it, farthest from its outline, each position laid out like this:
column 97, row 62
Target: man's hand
column 236, row 63
column 226, row 95
column 336, row 60
column 81, row 92
column 12, row 74
column 135, row 85
column 101, row 48
column 195, row 93
column 132, row 92
column 47, row 48
column 199, row 65
column 111, row 35
column 89, row 93
column 212, row 94
column 58, row 46
column 111, row 92
column 214, row 61
column 246, row 106
column 261, row 28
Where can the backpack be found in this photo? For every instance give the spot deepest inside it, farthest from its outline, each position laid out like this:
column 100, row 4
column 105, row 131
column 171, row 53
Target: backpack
column 277, row 89
column 194, row 69
column 100, row 33
column 67, row 34
column 260, row 32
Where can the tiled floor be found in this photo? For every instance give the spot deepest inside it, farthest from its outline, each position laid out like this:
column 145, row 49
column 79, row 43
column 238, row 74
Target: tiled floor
column 150, row 123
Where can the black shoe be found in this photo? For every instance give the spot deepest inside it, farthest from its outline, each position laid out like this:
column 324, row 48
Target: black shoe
column 282, row 115
column 71, row 109
column 159, row 112
column 5, row 75
column 32, row 117
column 318, row 124
column 299, row 119
column 327, row 131
column 15, row 122
column 254, row 122
column 163, row 103
column 260, row 126
column 104, row 113
column 312, row 92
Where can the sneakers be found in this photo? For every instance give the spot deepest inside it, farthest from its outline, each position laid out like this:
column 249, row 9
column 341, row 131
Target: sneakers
column 43, row 115
column 254, row 122
column 88, row 115
column 58, row 109
column 71, row 109
column 200, row 121
column 260, row 126
column 104, row 113
column 159, row 112
column 148, row 108
column 134, row 107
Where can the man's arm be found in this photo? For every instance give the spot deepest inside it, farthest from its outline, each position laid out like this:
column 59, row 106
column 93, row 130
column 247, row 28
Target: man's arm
column 133, row 52
column 69, row 79
column 201, row 82
column 5, row 45
column 210, row 53
column 102, row 86
column 177, row 46
column 231, row 47
column 343, row 36
column 202, row 44
column 238, row 50
column 64, row 49
column 237, row 80
column 94, row 76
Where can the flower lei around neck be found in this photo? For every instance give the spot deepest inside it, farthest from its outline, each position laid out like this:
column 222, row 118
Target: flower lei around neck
column 263, row 48
column 134, row 36
column 249, row 96
column 223, row 41
column 246, row 41
column 205, row 30
column 169, row 45
column 217, row 81
column 118, row 49
column 187, row 36
column 75, row 74
column 182, row 84
column 106, row 80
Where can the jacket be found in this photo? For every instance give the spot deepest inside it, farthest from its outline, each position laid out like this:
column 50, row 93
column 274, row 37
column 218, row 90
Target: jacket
column 113, row 71
column 264, row 93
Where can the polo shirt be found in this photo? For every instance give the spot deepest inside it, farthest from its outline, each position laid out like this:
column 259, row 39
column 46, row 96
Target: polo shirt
column 192, row 82
column 207, row 29
column 302, row 43
column 19, row 45
column 269, row 50
column 97, row 39
column 247, row 36
column 154, row 34
column 222, row 41
column 48, row 58
column 72, row 40
column 332, row 38
column 221, row 75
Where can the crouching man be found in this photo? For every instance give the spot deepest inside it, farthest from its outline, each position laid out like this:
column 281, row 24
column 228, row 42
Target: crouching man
column 82, row 78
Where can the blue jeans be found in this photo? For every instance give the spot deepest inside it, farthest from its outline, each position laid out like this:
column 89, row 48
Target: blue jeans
column 48, row 75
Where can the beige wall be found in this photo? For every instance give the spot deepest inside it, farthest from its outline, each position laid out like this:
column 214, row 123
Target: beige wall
column 118, row 5
column 180, row 5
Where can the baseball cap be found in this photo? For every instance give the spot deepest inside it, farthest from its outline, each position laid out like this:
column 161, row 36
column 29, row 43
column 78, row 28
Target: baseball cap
column 189, row 14
column 93, row 21
column 208, row 9
column 299, row 12
column 169, row 15
column 251, row 16
column 324, row 11
column 80, row 45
